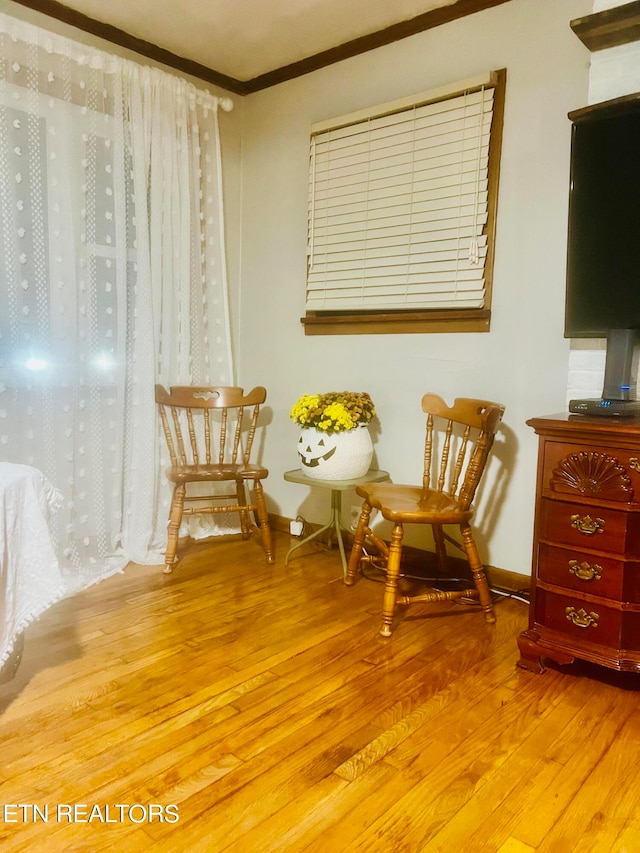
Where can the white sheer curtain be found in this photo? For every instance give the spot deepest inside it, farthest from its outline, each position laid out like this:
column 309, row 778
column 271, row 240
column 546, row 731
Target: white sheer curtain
column 112, row 277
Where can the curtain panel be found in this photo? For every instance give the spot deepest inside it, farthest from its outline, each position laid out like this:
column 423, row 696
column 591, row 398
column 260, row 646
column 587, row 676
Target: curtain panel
column 112, row 278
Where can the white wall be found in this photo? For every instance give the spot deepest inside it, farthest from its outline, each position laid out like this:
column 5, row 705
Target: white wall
column 523, row 361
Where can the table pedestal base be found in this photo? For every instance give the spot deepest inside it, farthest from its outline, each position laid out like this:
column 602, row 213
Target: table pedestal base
column 335, row 524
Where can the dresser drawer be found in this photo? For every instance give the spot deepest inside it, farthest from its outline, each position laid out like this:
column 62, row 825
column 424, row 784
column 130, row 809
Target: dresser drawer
column 574, row 569
column 606, row 473
column 587, row 622
column 585, row 527
column 594, row 574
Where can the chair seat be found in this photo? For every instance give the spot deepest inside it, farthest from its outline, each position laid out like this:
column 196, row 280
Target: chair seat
column 413, row 504
column 214, row 473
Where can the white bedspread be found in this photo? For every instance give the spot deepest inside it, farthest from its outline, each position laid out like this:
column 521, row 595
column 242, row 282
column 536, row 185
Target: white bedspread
column 30, row 577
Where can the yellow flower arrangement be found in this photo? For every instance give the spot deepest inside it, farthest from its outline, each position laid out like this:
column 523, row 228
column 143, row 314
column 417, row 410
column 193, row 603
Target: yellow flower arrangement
column 335, row 411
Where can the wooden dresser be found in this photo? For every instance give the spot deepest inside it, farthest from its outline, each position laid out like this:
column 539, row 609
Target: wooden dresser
column 585, row 588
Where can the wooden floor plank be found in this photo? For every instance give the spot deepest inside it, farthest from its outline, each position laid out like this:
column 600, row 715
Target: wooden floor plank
column 262, row 703
column 599, row 811
column 440, row 777
column 500, row 807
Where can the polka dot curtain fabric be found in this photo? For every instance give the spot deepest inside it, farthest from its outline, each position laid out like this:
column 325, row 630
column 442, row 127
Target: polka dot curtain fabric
column 112, row 279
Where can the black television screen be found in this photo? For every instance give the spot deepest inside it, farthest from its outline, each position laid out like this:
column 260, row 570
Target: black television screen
column 603, row 256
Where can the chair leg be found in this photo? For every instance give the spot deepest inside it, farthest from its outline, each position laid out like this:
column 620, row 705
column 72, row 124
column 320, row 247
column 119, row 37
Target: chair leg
column 358, row 544
column 241, row 496
column 441, row 548
column 391, row 585
column 477, row 570
column 263, row 520
column 173, row 529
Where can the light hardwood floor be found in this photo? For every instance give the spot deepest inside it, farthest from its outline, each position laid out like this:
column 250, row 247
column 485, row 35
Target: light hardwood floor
column 263, row 704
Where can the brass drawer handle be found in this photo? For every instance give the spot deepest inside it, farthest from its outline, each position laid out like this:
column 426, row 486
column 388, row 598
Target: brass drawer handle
column 634, row 463
column 585, row 571
column 582, row 619
column 587, row 525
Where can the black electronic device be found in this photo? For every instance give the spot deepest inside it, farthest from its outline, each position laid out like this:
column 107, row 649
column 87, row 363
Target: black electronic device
column 603, row 255
column 609, row 408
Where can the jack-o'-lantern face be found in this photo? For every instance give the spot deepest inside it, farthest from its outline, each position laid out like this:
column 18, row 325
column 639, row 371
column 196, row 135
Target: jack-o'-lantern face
column 315, row 448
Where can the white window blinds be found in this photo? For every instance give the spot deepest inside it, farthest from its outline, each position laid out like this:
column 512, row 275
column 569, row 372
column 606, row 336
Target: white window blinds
column 398, row 202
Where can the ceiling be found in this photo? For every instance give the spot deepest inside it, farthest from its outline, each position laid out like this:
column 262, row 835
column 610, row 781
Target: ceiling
column 249, row 44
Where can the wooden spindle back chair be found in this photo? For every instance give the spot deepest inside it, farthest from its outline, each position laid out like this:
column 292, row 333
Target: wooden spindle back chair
column 210, row 433
column 457, row 445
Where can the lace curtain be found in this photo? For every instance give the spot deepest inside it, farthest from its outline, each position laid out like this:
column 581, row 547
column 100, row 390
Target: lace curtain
column 112, row 278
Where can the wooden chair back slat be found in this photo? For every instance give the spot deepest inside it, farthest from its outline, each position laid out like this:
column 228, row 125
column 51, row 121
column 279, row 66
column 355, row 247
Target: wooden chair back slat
column 177, row 428
column 192, row 438
column 428, row 452
column 207, row 436
column 476, row 467
column 240, row 423
column 222, row 439
column 460, row 460
column 464, row 450
column 166, row 428
column 444, row 458
column 253, row 425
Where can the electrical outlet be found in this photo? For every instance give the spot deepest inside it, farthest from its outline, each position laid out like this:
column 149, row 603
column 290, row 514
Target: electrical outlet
column 354, row 515
column 296, row 528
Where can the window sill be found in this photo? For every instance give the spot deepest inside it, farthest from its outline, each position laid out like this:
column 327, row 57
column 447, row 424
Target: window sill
column 397, row 323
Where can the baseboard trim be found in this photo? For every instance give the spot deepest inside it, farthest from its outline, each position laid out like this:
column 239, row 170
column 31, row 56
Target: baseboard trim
column 419, row 559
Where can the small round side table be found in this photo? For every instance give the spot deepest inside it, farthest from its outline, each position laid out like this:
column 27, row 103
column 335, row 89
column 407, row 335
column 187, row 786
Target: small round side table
column 373, row 475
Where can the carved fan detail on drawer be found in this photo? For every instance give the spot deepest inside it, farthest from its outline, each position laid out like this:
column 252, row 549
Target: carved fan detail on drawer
column 592, row 473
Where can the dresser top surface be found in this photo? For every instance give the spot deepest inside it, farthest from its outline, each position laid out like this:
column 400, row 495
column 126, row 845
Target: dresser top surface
column 602, row 426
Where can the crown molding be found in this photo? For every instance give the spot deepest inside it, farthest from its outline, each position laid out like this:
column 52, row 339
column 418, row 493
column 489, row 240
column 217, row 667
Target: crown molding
column 355, row 47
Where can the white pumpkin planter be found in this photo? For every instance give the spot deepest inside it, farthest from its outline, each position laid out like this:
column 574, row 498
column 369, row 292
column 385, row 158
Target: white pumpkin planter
column 335, row 456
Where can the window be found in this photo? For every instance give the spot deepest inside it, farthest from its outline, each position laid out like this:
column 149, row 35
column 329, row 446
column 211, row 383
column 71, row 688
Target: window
column 64, row 228
column 402, row 209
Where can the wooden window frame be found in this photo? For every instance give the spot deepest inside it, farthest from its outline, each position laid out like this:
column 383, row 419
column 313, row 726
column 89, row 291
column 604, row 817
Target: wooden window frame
column 432, row 320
